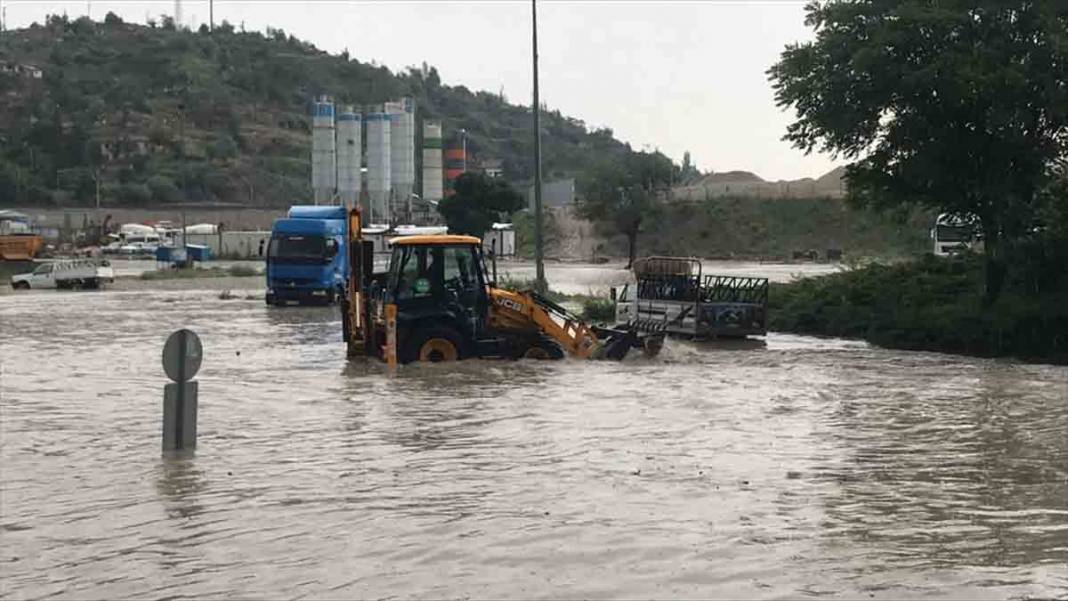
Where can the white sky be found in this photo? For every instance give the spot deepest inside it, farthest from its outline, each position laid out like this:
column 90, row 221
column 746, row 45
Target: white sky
column 670, row 75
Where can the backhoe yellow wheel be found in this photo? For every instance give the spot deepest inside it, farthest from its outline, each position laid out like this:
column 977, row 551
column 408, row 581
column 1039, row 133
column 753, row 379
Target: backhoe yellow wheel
column 438, row 349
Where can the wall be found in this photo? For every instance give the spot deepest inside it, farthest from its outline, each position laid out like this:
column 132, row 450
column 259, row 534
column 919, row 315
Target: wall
column 235, row 219
column 235, row 245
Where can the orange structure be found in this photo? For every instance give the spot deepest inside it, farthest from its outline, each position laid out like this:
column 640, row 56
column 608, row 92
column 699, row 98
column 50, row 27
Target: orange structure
column 454, row 163
column 19, row 247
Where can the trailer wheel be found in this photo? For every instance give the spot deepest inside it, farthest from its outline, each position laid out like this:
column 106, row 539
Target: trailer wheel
column 434, row 344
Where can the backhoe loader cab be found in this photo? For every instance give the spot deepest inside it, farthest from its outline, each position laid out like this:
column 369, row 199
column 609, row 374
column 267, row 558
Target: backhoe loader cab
column 437, row 303
column 439, row 287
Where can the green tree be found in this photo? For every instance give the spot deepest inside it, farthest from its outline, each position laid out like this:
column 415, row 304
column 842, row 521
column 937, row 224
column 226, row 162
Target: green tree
column 223, row 148
column 961, row 106
column 8, row 183
column 163, row 188
column 478, row 201
column 624, row 193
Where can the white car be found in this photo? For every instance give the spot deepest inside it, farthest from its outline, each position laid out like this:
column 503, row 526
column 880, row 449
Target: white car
column 76, row 273
column 139, row 249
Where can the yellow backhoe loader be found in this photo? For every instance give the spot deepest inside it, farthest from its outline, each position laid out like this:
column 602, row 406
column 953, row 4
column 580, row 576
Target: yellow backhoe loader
column 437, row 302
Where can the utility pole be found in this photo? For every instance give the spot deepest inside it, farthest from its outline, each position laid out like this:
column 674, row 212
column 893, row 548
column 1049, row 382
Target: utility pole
column 181, row 148
column 539, row 265
column 211, row 15
column 463, row 133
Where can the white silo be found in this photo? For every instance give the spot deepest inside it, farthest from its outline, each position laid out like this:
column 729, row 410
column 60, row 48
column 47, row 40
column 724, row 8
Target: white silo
column 402, row 150
column 324, row 170
column 349, row 155
column 432, row 175
column 378, row 166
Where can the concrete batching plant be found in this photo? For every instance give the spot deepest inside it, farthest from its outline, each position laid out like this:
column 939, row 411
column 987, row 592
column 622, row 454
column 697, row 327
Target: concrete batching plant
column 349, row 155
column 378, row 167
column 402, row 153
column 432, row 174
column 324, row 169
column 338, row 157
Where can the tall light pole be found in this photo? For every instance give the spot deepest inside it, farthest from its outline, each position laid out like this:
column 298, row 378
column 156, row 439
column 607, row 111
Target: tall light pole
column 463, row 147
column 539, row 265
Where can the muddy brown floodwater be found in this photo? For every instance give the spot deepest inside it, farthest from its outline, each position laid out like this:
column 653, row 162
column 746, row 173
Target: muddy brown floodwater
column 802, row 467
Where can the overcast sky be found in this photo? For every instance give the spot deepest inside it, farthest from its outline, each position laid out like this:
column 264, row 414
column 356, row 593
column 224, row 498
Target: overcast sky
column 670, row 75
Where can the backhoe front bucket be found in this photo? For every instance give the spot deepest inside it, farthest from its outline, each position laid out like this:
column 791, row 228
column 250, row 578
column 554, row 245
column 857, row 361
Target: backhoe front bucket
column 619, row 342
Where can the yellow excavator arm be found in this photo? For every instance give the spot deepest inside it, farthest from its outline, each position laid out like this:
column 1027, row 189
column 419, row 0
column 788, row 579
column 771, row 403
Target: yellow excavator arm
column 529, row 311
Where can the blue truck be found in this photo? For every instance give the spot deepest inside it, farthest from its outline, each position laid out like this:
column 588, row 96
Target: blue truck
column 306, row 258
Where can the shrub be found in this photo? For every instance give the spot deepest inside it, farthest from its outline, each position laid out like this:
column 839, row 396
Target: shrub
column 163, row 188
column 598, row 309
column 243, row 271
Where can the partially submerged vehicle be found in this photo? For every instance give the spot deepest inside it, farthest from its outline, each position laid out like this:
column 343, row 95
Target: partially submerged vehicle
column 89, row 274
column 954, row 234
column 438, row 302
column 672, row 295
column 306, row 256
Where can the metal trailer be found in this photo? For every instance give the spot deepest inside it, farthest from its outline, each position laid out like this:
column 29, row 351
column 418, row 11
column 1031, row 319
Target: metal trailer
column 672, row 295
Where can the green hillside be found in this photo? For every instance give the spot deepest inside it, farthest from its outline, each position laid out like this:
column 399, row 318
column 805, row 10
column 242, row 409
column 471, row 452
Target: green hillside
column 156, row 115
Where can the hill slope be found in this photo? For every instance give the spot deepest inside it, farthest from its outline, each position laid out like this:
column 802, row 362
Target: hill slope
column 745, row 184
column 158, row 115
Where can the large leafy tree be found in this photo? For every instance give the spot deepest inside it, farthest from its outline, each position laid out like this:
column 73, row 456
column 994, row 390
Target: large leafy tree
column 477, row 202
column 958, row 105
column 625, row 192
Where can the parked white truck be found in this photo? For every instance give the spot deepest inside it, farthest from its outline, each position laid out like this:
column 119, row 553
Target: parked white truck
column 75, row 273
column 671, row 295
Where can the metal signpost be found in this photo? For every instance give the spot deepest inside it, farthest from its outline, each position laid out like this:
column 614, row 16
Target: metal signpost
column 391, row 337
column 182, row 355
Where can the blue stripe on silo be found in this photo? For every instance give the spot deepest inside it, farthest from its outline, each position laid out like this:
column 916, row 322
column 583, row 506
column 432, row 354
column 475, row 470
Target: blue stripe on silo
column 376, row 117
column 323, row 110
column 348, row 117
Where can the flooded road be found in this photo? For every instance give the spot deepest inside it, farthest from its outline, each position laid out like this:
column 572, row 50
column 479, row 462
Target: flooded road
column 802, row 467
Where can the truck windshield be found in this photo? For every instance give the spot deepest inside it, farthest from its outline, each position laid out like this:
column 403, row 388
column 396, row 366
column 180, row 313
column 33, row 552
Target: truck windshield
column 298, row 248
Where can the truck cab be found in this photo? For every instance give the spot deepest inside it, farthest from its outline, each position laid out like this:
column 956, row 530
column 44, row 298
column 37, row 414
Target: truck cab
column 306, row 258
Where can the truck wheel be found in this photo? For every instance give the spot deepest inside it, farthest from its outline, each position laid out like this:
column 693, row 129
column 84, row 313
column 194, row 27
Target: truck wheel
column 434, row 344
column 20, row 285
column 544, row 349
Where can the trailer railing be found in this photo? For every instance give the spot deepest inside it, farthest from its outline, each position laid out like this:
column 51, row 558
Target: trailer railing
column 710, row 288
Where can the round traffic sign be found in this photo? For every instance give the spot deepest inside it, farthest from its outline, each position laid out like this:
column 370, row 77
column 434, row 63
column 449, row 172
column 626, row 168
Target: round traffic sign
column 182, row 355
